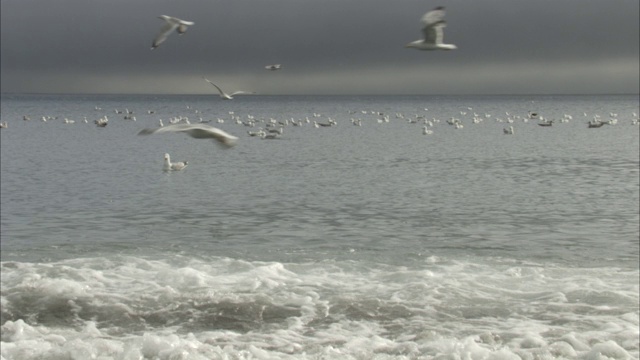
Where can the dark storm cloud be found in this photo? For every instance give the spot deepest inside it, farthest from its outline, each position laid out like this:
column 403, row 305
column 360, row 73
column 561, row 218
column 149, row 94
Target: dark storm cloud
column 325, row 46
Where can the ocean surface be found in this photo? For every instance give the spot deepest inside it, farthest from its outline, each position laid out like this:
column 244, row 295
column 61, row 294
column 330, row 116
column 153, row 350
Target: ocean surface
column 341, row 242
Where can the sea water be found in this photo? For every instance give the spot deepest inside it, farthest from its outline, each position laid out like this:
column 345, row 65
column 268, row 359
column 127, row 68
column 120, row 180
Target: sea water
column 342, row 242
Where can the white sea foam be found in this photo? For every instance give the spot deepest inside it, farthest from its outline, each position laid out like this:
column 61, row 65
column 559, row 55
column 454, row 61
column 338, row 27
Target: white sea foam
column 222, row 308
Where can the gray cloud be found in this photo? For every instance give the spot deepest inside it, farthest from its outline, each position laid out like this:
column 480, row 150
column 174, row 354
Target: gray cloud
column 325, row 46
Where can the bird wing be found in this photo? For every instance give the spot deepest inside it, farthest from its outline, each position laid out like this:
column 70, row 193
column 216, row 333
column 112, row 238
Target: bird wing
column 433, row 24
column 240, row 92
column 216, row 86
column 202, row 131
column 170, row 128
column 183, row 22
column 434, row 16
column 197, row 131
column 179, row 165
column 434, row 34
column 168, row 27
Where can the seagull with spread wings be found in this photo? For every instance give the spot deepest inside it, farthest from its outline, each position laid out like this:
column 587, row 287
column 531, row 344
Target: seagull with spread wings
column 273, row 67
column 196, row 131
column 171, row 24
column 433, row 32
column 226, row 96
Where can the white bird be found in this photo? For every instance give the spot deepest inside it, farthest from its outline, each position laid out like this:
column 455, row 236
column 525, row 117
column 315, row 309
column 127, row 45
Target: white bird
column 317, row 124
column 196, row 131
column 259, row 133
column 273, row 67
column 177, row 166
column 171, row 24
column 102, row 122
column 508, row 131
column 4, row 125
column 433, row 32
column 271, row 136
column 224, row 95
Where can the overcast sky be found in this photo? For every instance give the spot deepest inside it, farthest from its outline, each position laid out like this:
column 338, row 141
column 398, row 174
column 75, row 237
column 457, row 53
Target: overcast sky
column 324, row 46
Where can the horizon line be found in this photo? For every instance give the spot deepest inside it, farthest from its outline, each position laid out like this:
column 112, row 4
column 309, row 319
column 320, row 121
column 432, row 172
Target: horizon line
column 318, row 94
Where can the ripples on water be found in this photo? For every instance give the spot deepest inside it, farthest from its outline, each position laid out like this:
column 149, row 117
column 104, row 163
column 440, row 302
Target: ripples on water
column 345, row 242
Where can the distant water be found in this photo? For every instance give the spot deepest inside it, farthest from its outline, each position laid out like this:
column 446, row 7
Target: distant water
column 342, row 242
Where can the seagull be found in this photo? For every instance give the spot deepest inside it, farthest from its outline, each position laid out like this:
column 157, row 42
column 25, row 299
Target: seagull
column 224, row 95
column 433, row 34
column 259, row 133
column 197, row 131
column 177, row 166
column 273, row 67
column 172, row 23
column 102, row 122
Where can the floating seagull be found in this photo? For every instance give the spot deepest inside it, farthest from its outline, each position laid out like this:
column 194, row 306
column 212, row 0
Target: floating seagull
column 433, row 33
column 271, row 136
column 197, row 131
column 177, row 166
column 102, row 122
column 259, row 133
column 317, row 124
column 224, row 95
column 273, row 67
column 172, row 24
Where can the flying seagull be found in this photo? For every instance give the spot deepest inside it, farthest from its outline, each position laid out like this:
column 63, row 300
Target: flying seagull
column 196, row 131
column 273, row 67
column 433, row 32
column 224, row 95
column 171, row 24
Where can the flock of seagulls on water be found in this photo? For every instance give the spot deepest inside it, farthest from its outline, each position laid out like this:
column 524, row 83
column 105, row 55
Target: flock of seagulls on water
column 268, row 128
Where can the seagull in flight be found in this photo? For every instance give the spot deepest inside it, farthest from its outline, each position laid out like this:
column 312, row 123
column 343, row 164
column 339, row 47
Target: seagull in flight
column 433, row 32
column 224, row 95
column 171, row 24
column 273, row 67
column 196, row 131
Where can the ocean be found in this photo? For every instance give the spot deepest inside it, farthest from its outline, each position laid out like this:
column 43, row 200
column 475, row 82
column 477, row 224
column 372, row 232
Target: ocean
column 368, row 239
